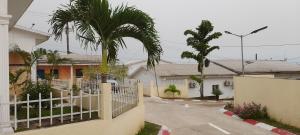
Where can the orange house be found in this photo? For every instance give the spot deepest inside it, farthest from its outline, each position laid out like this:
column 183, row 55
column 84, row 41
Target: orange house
column 70, row 72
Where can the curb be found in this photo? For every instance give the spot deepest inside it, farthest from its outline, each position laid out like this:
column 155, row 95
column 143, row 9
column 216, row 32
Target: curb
column 164, row 131
column 257, row 123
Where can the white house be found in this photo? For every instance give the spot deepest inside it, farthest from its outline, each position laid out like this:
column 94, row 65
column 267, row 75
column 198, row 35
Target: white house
column 179, row 74
column 218, row 75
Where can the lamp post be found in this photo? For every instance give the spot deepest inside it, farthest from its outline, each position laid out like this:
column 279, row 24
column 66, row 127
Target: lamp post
column 242, row 44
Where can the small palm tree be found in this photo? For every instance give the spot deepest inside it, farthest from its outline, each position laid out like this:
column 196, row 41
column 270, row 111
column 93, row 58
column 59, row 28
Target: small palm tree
column 199, row 40
column 172, row 89
column 29, row 59
column 97, row 23
column 55, row 60
column 217, row 93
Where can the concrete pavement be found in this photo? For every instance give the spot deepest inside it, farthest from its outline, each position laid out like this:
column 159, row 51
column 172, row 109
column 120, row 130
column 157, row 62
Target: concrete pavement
column 196, row 118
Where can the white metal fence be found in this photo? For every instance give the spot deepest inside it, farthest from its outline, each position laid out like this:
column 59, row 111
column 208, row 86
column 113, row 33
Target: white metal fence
column 87, row 85
column 54, row 110
column 124, row 98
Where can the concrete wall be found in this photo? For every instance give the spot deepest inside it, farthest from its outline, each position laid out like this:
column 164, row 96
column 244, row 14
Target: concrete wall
column 281, row 97
column 128, row 123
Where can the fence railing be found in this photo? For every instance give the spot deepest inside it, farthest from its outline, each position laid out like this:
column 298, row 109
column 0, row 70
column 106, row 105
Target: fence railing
column 124, row 98
column 63, row 84
column 41, row 112
column 87, row 85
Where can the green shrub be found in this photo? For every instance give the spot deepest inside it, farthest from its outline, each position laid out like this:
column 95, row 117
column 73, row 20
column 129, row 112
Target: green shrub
column 172, row 89
column 217, row 93
column 251, row 111
column 34, row 89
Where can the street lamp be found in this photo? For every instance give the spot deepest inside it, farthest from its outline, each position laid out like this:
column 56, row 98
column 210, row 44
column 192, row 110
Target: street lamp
column 242, row 46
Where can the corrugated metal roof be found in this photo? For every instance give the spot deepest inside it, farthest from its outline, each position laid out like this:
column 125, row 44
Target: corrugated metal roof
column 259, row 66
column 189, row 69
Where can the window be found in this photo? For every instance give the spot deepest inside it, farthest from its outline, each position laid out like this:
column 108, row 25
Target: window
column 41, row 73
column 79, row 73
column 55, row 73
column 215, row 87
column 192, row 85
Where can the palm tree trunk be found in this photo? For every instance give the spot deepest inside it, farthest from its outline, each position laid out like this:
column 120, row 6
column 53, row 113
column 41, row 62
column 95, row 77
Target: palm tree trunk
column 104, row 65
column 201, row 85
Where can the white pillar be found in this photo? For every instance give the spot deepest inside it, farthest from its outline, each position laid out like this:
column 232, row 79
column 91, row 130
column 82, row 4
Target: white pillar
column 5, row 126
column 33, row 72
column 105, row 112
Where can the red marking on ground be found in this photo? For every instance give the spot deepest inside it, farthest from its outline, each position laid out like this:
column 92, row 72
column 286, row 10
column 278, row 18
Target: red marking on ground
column 166, row 132
column 229, row 113
column 250, row 121
column 281, row 131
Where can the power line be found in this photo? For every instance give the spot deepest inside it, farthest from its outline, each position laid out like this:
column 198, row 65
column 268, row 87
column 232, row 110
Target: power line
column 249, row 46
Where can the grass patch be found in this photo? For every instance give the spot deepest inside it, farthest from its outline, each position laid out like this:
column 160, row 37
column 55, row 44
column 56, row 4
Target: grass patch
column 280, row 125
column 150, row 129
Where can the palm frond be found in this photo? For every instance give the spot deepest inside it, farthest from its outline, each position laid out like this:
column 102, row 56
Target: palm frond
column 213, row 36
column 210, row 49
column 151, row 43
column 205, row 28
column 189, row 55
column 195, row 78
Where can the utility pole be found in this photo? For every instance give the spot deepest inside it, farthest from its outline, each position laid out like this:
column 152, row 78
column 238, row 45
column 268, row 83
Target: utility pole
column 67, row 36
column 242, row 43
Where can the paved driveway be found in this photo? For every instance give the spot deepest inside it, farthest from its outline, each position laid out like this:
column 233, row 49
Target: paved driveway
column 196, row 118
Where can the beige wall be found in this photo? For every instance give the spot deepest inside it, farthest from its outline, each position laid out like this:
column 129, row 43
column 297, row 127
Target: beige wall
column 128, row 123
column 181, row 85
column 281, row 97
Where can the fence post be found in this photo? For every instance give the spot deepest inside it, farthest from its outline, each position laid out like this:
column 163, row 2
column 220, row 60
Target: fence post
column 105, row 111
column 140, row 94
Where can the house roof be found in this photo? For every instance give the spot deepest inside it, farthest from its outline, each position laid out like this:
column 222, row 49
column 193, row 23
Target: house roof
column 133, row 62
column 39, row 35
column 168, row 70
column 259, row 66
column 16, row 8
column 76, row 59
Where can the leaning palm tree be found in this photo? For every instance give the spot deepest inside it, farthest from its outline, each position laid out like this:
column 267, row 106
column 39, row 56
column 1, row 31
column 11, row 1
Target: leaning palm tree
column 199, row 41
column 98, row 24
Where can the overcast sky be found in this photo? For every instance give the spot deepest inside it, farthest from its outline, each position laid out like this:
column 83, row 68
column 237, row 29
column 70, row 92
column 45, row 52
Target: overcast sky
column 173, row 17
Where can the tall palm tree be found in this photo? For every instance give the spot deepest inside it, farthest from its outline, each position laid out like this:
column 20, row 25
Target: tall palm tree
column 199, row 41
column 98, row 24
